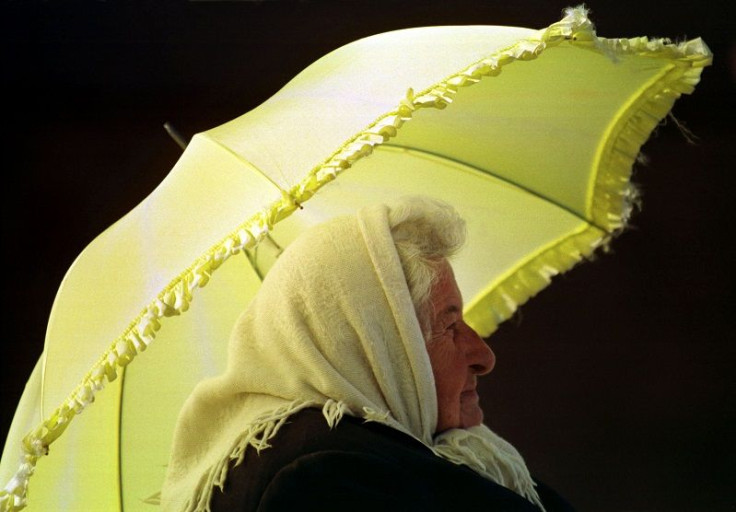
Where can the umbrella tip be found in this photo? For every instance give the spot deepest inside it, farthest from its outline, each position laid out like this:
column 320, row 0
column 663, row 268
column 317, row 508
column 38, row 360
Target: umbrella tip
column 174, row 133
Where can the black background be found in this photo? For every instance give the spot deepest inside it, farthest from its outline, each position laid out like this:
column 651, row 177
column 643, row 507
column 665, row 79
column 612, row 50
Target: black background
column 616, row 383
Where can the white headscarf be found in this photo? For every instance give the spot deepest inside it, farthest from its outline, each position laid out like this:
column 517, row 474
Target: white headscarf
column 333, row 326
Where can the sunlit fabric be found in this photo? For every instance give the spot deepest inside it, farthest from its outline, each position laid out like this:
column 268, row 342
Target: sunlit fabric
column 531, row 134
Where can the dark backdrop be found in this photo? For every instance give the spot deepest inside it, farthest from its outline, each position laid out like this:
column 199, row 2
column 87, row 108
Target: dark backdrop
column 616, row 382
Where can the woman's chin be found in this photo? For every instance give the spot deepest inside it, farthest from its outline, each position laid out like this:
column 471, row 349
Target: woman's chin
column 471, row 415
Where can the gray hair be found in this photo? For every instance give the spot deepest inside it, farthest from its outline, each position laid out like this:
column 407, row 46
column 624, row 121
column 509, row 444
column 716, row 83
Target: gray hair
column 425, row 231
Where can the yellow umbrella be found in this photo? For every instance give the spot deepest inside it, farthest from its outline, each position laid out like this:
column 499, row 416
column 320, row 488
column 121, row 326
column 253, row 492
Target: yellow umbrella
column 531, row 134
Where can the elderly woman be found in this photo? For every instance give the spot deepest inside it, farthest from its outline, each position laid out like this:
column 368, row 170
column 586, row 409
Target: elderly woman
column 351, row 384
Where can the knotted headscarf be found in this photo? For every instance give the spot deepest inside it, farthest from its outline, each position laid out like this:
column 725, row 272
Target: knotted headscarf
column 333, row 326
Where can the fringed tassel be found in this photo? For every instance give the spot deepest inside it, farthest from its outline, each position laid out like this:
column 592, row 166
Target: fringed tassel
column 256, row 435
column 370, row 414
column 490, row 456
column 333, row 412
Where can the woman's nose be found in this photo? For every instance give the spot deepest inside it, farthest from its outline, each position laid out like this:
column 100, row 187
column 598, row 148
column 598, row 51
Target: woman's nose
column 480, row 356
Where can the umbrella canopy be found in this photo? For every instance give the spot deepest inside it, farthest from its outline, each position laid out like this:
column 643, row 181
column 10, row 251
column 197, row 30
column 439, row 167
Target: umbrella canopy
column 531, row 134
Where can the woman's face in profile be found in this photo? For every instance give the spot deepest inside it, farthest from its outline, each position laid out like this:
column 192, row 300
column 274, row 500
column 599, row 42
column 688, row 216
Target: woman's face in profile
column 457, row 355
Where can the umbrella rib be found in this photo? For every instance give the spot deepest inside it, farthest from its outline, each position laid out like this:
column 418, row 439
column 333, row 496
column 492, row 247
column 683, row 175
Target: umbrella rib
column 486, row 173
column 252, row 257
column 120, row 438
column 240, row 158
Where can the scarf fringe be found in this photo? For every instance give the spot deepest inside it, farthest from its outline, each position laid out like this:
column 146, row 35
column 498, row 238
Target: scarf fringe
column 257, row 434
column 333, row 412
column 503, row 464
column 370, row 414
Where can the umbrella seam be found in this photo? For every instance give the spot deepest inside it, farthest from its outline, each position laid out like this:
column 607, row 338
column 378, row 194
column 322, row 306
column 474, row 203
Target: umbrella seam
column 472, row 168
column 240, row 159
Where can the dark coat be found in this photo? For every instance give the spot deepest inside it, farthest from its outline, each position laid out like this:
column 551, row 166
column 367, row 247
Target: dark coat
column 360, row 466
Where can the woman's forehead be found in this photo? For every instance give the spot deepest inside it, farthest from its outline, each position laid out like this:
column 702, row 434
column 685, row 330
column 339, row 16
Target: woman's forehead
column 445, row 296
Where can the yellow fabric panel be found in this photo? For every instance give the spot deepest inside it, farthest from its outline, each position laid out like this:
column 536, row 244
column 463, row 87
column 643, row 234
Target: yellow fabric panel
column 129, row 264
column 81, row 471
column 366, row 78
column 191, row 348
column 547, row 147
column 27, row 415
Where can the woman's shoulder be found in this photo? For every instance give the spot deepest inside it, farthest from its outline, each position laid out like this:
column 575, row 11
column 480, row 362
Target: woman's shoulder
column 306, row 446
column 356, row 464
